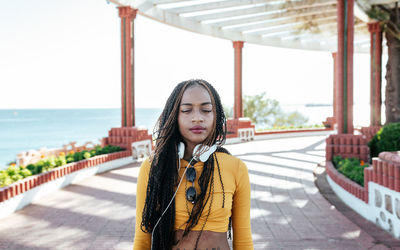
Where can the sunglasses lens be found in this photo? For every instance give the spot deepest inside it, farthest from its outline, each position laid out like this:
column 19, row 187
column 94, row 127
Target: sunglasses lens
column 191, row 174
column 191, row 194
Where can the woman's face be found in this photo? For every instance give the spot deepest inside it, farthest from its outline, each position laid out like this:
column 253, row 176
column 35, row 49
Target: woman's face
column 196, row 116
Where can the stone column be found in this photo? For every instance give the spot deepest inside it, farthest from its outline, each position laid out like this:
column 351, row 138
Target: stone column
column 238, row 103
column 127, row 15
column 376, row 73
column 345, row 66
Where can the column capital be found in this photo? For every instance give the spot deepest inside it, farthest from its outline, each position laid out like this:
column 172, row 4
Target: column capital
column 238, row 44
column 127, row 11
column 374, row 27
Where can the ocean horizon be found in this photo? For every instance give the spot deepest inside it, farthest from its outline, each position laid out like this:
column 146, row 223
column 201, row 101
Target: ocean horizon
column 27, row 129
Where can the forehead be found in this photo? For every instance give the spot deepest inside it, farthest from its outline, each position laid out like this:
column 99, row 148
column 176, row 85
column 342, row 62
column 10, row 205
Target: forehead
column 196, row 95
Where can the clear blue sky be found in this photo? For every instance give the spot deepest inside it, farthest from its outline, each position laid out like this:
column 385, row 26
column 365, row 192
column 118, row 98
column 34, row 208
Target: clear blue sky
column 66, row 54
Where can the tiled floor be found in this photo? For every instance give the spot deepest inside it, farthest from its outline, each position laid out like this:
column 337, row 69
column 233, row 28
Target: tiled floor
column 288, row 212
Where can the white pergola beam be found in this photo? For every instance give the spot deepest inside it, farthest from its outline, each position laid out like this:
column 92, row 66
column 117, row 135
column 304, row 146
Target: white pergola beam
column 373, row 2
column 278, row 22
column 268, row 16
column 216, row 6
column 269, row 5
column 294, row 27
column 277, row 35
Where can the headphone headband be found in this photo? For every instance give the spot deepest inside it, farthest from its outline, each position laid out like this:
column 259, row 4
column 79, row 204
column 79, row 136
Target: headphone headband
column 200, row 152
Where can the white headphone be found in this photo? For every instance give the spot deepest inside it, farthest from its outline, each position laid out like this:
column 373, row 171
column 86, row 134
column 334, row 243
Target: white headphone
column 200, row 153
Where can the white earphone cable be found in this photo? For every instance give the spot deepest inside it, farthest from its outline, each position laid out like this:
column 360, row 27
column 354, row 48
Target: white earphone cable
column 173, row 197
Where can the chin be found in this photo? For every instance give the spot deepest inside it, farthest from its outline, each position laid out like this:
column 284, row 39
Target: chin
column 196, row 140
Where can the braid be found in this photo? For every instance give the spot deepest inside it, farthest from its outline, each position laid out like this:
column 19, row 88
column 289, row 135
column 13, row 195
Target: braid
column 211, row 193
column 222, row 184
column 163, row 175
column 198, row 207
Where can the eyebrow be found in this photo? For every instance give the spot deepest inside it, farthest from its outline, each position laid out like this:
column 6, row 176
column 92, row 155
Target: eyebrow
column 190, row 104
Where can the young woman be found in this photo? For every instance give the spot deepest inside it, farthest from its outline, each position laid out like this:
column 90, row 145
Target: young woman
column 188, row 197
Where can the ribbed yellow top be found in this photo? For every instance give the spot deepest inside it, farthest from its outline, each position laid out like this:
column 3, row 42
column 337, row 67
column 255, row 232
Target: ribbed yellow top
column 235, row 178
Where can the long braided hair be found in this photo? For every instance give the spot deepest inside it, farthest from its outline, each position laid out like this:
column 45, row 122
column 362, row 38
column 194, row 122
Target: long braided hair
column 164, row 177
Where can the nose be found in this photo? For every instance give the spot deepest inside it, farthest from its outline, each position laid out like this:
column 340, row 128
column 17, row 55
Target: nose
column 197, row 117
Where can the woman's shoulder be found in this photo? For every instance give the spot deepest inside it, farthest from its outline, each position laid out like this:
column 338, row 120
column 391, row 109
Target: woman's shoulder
column 146, row 163
column 228, row 159
column 145, row 167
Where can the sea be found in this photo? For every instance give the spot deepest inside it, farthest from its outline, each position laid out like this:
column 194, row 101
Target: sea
column 25, row 129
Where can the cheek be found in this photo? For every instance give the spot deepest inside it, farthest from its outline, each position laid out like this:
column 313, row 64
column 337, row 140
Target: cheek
column 181, row 124
column 212, row 119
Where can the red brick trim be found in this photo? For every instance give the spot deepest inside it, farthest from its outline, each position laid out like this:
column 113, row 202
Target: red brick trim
column 346, row 145
column 292, row 131
column 347, row 184
column 31, row 182
column 386, row 170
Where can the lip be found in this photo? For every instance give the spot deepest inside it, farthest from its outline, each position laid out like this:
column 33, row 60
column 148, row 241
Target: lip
column 197, row 129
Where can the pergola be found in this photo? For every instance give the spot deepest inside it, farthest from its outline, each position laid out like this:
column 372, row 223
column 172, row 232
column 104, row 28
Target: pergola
column 338, row 26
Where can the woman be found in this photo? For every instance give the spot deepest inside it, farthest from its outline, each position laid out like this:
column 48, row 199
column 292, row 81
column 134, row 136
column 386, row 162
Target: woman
column 188, row 198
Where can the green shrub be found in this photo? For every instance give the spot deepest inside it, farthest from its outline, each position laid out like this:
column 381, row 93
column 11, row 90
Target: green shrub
column 78, row 156
column 5, row 179
column 352, row 168
column 49, row 163
column 14, row 173
column 336, row 159
column 61, row 160
column 12, row 170
column 32, row 168
column 25, row 172
column 86, row 155
column 386, row 139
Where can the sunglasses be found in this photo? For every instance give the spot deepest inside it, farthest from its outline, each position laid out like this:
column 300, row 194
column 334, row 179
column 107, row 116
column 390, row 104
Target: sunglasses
column 191, row 191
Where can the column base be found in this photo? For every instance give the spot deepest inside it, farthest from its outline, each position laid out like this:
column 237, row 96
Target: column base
column 125, row 136
column 234, row 125
column 347, row 145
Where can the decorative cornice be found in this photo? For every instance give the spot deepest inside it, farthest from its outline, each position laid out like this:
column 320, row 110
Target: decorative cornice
column 374, row 27
column 238, row 44
column 127, row 11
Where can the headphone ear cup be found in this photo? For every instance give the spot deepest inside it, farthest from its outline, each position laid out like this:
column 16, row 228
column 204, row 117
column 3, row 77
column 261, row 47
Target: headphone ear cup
column 207, row 151
column 196, row 149
column 181, row 150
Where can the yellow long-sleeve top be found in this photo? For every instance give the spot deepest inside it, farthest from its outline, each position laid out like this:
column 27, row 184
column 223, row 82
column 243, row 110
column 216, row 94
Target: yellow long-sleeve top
column 235, row 179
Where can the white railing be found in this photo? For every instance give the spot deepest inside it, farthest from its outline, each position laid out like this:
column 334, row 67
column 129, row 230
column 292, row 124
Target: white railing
column 246, row 134
column 141, row 149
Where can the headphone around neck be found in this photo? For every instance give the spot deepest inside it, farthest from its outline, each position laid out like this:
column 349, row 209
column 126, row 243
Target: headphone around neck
column 200, row 153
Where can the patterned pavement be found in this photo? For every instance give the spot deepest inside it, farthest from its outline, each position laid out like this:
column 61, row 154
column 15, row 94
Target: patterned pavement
column 288, row 211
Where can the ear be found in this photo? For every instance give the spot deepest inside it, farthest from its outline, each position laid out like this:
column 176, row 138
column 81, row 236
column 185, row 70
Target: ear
column 181, row 150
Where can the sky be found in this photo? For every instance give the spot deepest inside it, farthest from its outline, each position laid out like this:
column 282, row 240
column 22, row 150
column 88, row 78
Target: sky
column 66, row 54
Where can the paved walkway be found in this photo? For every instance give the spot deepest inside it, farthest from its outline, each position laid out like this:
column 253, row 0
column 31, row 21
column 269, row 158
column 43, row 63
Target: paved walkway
column 288, row 211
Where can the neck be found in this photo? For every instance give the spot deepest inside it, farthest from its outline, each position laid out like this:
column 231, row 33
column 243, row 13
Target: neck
column 188, row 152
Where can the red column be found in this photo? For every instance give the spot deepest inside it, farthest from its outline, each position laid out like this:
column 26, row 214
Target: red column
column 127, row 15
column 376, row 75
column 345, row 66
column 334, row 55
column 238, row 103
